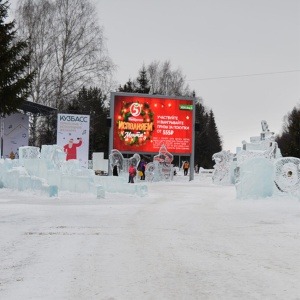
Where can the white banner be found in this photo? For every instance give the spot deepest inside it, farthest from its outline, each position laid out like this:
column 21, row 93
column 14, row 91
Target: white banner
column 73, row 136
column 15, row 134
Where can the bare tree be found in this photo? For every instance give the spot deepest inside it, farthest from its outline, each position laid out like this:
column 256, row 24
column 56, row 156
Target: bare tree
column 67, row 52
column 165, row 81
column 35, row 21
column 68, row 48
column 79, row 48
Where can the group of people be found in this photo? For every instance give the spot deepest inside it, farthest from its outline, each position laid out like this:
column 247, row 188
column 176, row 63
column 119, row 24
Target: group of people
column 132, row 171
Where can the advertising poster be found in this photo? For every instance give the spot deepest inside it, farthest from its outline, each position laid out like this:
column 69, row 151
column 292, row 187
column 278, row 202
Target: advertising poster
column 15, row 134
column 144, row 124
column 73, row 136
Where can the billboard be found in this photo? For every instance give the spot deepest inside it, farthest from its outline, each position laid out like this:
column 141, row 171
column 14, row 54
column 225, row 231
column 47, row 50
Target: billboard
column 143, row 123
column 15, row 134
column 73, row 136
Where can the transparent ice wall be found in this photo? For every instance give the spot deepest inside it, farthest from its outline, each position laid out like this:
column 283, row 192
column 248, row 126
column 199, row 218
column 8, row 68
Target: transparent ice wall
column 255, row 179
column 49, row 172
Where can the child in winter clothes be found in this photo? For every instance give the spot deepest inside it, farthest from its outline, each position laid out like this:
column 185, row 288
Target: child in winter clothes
column 132, row 173
column 142, row 169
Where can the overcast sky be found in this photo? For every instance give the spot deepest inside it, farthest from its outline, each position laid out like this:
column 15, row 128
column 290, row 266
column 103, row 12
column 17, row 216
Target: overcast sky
column 213, row 39
column 219, row 46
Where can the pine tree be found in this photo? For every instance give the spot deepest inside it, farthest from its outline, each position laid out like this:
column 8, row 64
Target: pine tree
column 143, row 86
column 201, row 139
column 215, row 143
column 289, row 140
column 207, row 139
column 14, row 81
column 92, row 102
column 128, row 87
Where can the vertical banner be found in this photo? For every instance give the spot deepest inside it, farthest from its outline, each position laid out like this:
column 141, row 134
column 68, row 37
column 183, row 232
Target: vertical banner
column 73, row 136
column 15, row 134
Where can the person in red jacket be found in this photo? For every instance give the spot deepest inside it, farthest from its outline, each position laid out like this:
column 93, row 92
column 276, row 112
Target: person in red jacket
column 132, row 173
column 71, row 149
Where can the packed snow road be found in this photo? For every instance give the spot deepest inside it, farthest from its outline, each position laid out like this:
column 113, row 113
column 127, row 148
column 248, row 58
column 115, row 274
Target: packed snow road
column 185, row 240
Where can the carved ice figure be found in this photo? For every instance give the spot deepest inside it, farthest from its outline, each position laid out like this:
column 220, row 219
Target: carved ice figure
column 54, row 155
column 149, row 171
column 116, row 159
column 255, row 163
column 161, row 168
column 222, row 168
column 258, row 169
column 287, row 174
column 135, row 160
column 263, row 146
column 163, row 155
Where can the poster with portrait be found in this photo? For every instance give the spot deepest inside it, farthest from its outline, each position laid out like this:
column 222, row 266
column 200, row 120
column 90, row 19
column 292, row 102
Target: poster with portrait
column 73, row 136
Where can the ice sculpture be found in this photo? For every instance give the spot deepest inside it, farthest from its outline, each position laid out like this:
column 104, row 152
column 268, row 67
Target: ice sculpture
column 49, row 172
column 150, row 175
column 222, row 168
column 255, row 178
column 135, row 160
column 258, row 169
column 161, row 168
column 119, row 184
column 28, row 152
column 55, row 155
column 116, row 159
column 164, row 156
column 287, row 174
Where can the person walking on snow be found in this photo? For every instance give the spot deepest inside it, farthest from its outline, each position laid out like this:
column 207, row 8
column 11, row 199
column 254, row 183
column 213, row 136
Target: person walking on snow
column 142, row 169
column 132, row 174
column 185, row 168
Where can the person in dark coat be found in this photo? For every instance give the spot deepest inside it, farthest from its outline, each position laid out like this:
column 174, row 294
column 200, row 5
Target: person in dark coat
column 115, row 171
column 142, row 169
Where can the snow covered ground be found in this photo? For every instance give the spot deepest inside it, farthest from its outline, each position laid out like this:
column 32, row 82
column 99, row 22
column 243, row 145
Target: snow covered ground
column 185, row 240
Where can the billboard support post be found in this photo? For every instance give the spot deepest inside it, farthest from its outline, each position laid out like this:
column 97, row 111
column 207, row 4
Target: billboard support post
column 192, row 162
column 111, row 130
column 1, row 135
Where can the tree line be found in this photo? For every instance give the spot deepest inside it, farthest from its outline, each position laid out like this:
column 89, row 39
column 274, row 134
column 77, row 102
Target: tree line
column 54, row 54
column 289, row 140
column 160, row 78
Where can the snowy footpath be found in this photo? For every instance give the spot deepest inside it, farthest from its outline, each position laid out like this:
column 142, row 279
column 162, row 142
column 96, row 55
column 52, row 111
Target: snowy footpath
column 185, row 240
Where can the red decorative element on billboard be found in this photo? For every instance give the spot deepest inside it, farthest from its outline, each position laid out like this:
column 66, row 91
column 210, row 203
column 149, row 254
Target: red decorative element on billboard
column 135, row 123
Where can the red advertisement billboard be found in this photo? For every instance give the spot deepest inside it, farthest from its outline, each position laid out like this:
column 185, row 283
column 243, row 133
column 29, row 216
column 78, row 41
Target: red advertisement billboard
column 143, row 124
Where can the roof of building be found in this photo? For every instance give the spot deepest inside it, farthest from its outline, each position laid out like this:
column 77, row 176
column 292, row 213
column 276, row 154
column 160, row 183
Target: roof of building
column 37, row 109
